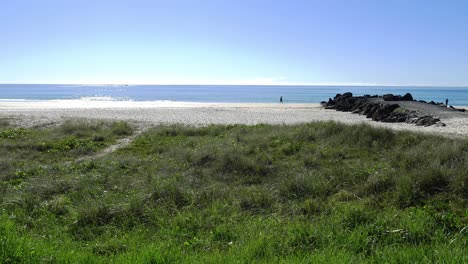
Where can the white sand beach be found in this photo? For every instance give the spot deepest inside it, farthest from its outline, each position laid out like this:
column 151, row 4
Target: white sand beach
column 40, row 113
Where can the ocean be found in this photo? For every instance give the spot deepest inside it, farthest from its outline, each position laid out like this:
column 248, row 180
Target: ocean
column 458, row 96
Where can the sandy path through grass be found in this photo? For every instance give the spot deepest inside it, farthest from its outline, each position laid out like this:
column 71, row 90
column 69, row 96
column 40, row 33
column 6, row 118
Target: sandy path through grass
column 121, row 143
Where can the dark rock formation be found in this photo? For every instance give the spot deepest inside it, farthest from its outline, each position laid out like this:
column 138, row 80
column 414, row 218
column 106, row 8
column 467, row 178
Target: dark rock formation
column 383, row 112
column 407, row 97
column 458, row 109
column 373, row 107
column 426, row 121
column 391, row 97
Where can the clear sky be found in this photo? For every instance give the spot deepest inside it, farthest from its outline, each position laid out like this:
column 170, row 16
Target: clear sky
column 389, row 42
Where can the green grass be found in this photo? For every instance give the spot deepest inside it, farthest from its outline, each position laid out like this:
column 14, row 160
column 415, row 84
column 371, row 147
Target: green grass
column 312, row 193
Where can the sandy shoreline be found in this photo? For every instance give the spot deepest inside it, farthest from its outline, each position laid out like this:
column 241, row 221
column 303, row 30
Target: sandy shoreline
column 37, row 113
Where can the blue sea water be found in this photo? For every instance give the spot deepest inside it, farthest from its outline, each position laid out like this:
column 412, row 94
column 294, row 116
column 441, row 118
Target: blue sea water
column 220, row 93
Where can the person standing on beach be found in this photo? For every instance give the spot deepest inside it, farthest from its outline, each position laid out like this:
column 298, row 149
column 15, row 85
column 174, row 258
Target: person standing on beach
column 446, row 102
column 281, row 99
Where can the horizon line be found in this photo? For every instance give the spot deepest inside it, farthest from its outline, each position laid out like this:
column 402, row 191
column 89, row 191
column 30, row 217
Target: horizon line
column 239, row 84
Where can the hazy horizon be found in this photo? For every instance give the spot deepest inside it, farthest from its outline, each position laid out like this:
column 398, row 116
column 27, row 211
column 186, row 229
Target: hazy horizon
column 222, row 84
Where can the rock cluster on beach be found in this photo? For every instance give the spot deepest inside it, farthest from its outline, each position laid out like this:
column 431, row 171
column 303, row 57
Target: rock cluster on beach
column 381, row 108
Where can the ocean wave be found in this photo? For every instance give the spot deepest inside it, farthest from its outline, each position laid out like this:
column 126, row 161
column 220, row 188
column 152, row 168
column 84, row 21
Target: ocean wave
column 70, row 86
column 121, row 99
column 15, row 100
column 100, row 98
column 95, row 99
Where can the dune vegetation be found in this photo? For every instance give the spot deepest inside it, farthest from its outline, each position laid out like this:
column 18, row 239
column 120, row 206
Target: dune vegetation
column 310, row 193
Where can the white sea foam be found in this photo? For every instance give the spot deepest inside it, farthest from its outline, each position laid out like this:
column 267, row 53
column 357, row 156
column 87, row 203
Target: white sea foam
column 100, row 98
column 14, row 100
column 71, row 85
column 95, row 103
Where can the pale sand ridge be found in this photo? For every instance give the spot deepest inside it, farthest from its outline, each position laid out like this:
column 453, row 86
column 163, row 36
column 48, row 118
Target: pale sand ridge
column 37, row 113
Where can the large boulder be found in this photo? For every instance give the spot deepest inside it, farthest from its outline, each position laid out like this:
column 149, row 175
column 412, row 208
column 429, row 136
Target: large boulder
column 384, row 111
column 344, row 102
column 388, row 97
column 366, row 108
column 359, row 104
column 426, row 121
column 372, row 110
column 407, row 97
column 395, row 117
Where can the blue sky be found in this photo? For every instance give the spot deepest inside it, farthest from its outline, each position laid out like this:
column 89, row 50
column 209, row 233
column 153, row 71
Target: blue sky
column 234, row 42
